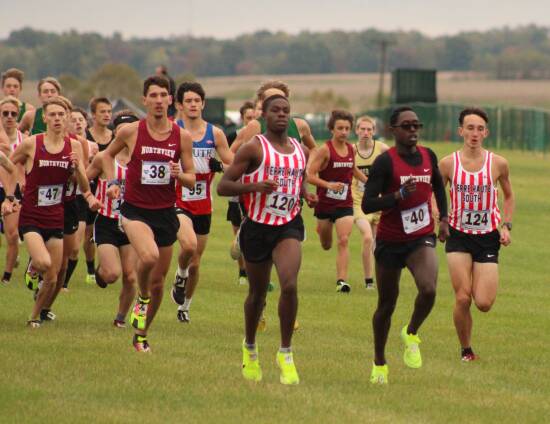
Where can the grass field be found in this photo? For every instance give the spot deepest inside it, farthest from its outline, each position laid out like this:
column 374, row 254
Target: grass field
column 81, row 369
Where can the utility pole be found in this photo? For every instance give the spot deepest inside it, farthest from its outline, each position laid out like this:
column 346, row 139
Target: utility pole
column 383, row 58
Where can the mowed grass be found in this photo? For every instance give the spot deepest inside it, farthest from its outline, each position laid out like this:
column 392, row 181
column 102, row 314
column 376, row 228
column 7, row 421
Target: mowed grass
column 81, row 369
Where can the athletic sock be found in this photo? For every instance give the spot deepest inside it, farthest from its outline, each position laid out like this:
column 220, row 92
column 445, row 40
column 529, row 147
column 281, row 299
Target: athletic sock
column 91, row 266
column 120, row 317
column 369, row 281
column 242, row 273
column 285, row 349
column 183, row 273
column 250, row 347
column 186, row 304
column 466, row 351
column 71, row 265
column 7, row 276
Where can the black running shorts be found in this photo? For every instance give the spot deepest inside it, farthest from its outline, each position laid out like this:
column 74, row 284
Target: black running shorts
column 257, row 241
column 70, row 224
column 45, row 233
column 163, row 222
column 334, row 214
column 394, row 254
column 201, row 223
column 235, row 213
column 107, row 231
column 482, row 247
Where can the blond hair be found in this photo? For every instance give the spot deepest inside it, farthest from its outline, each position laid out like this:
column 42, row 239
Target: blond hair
column 365, row 118
column 10, row 100
column 58, row 101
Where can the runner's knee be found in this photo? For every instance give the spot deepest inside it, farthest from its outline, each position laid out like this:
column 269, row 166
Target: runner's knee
column 343, row 241
column 484, row 305
column 149, row 258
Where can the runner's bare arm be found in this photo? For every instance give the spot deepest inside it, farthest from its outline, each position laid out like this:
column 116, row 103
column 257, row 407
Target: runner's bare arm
column 305, row 133
column 509, row 202
column 246, row 160
column 95, row 169
column 80, row 172
column 5, row 163
column 317, row 162
column 85, row 150
column 446, row 168
column 4, row 141
column 187, row 176
column 125, row 137
column 359, row 175
column 311, row 198
column 27, row 121
column 245, row 134
column 222, row 147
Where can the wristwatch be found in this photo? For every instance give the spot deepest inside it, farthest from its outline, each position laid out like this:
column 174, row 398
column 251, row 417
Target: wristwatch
column 507, row 225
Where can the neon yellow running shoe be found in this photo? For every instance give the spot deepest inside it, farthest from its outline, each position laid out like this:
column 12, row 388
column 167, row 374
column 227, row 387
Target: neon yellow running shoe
column 411, row 356
column 379, row 374
column 251, row 365
column 90, row 278
column 289, row 375
column 138, row 318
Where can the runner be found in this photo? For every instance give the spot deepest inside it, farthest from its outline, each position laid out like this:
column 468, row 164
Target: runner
column 155, row 146
column 49, row 160
column 472, row 249
column 78, row 124
column 235, row 211
column 331, row 170
column 366, row 151
column 194, row 206
column 12, row 84
column 33, row 120
column 269, row 172
column 115, row 253
column 9, row 111
column 405, row 176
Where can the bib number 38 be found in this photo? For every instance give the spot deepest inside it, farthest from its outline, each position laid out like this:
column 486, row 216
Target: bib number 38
column 415, row 218
column 155, row 173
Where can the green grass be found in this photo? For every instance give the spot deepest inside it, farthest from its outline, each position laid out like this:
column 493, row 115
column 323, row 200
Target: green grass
column 79, row 368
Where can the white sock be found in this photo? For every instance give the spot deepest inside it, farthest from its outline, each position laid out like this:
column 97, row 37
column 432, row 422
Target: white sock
column 183, row 273
column 186, row 304
column 285, row 349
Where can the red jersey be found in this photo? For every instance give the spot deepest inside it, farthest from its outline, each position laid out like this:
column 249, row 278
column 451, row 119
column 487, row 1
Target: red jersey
column 148, row 181
column 110, row 208
column 474, row 198
column 282, row 205
column 412, row 217
column 42, row 204
column 339, row 170
column 198, row 200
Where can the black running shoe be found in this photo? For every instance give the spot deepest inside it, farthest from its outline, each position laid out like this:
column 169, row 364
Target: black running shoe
column 342, row 286
column 178, row 290
column 183, row 316
column 47, row 315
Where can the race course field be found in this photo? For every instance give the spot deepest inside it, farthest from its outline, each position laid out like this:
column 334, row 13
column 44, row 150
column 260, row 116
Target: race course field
column 81, row 369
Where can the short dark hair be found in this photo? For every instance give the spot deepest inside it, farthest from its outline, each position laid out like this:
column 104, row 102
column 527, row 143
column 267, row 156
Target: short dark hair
column 97, row 100
column 398, row 111
column 246, row 105
column 155, row 80
column 473, row 111
column 81, row 111
column 267, row 102
column 186, row 86
column 339, row 114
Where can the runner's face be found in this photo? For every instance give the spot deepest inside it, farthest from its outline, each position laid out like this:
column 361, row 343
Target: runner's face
column 156, row 101
column 11, row 87
column 47, row 91
column 473, row 130
column 55, row 118
column 103, row 114
column 258, row 109
column 277, row 115
column 406, row 137
column 77, row 123
column 341, row 130
column 10, row 121
column 364, row 131
column 192, row 105
column 249, row 115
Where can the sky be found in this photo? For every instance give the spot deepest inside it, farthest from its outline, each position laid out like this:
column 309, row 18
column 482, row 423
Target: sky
column 227, row 19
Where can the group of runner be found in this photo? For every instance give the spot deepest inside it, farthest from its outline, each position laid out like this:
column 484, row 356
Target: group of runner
column 151, row 184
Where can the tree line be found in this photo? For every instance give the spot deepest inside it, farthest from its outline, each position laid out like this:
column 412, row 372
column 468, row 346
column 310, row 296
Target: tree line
column 506, row 53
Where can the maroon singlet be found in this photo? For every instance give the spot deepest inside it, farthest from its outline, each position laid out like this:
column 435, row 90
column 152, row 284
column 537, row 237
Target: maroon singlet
column 42, row 204
column 339, row 169
column 148, row 181
column 411, row 218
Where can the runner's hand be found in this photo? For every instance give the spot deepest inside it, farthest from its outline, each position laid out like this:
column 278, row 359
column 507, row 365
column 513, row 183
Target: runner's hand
column 7, row 207
column 93, row 203
column 336, row 186
column 311, row 199
column 74, row 160
column 267, row 186
column 113, row 192
column 407, row 188
column 505, row 238
column 443, row 234
column 175, row 169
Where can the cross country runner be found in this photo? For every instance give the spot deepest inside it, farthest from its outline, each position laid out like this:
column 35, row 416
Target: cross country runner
column 270, row 172
column 156, row 147
column 472, row 248
column 401, row 183
column 12, row 84
column 32, row 121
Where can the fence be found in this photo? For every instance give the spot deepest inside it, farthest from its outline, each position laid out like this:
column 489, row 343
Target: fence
column 510, row 128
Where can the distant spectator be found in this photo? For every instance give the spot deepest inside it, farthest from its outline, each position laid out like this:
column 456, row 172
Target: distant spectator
column 162, row 70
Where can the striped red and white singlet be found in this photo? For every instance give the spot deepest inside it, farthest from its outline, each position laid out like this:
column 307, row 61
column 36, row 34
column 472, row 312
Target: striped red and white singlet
column 474, row 198
column 282, row 205
column 110, row 208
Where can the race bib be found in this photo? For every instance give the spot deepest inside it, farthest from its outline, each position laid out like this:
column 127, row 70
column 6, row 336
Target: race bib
column 476, row 220
column 415, row 218
column 155, row 173
column 198, row 192
column 280, row 204
column 50, row 195
column 338, row 194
